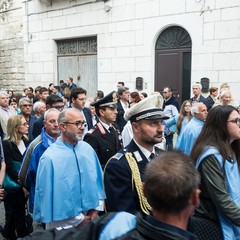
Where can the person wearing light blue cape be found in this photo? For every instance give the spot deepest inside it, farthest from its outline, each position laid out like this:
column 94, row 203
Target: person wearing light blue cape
column 193, row 128
column 69, row 185
column 217, row 157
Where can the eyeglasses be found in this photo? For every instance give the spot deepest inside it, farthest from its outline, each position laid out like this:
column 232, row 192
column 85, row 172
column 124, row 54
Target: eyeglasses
column 78, row 124
column 236, row 120
column 165, row 92
column 24, row 124
column 58, row 107
column 26, row 105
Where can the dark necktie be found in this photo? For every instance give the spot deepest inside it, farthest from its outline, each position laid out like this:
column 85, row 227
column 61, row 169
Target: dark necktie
column 111, row 130
column 152, row 156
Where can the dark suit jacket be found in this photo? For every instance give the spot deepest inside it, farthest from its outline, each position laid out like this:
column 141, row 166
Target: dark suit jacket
column 11, row 152
column 32, row 120
column 171, row 101
column 88, row 116
column 201, row 99
column 210, row 102
column 121, row 196
column 72, row 87
column 104, row 143
column 37, row 127
column 121, row 122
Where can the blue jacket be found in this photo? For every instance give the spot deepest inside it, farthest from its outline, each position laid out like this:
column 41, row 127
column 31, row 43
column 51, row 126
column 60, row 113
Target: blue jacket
column 44, row 142
column 189, row 135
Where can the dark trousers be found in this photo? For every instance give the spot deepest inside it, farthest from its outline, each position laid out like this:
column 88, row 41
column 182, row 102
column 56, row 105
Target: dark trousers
column 169, row 142
column 15, row 221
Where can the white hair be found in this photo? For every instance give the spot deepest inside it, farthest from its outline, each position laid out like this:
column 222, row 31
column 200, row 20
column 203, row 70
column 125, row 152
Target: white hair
column 25, row 99
column 197, row 85
column 37, row 105
column 49, row 111
column 194, row 108
column 4, row 93
column 222, row 94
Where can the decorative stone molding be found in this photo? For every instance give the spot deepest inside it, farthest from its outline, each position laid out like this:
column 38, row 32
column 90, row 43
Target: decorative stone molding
column 82, row 46
column 174, row 37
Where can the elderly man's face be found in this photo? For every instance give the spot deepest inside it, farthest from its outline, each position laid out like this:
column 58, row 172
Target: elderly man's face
column 73, row 128
column 196, row 91
column 26, row 108
column 202, row 115
column 42, row 109
column 4, row 100
column 51, row 124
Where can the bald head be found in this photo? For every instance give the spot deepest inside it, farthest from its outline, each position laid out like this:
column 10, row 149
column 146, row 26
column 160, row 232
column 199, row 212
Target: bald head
column 72, row 125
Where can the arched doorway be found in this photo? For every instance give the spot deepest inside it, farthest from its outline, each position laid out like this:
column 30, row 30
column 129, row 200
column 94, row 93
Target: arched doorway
column 173, row 52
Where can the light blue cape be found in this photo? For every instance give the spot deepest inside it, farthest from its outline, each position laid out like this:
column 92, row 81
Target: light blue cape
column 69, row 182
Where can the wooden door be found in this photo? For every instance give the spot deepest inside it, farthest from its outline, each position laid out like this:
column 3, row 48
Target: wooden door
column 173, row 62
column 83, row 66
column 77, row 58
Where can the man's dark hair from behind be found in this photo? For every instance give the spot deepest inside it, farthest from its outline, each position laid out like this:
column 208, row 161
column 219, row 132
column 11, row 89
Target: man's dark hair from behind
column 170, row 180
column 51, row 99
column 122, row 83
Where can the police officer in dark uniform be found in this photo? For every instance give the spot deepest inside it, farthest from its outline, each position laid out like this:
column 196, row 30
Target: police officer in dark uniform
column 105, row 136
column 124, row 172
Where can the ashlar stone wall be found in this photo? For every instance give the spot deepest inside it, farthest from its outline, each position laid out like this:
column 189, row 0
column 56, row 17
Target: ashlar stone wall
column 11, row 45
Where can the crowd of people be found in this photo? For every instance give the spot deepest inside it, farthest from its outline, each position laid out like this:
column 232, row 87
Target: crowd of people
column 125, row 165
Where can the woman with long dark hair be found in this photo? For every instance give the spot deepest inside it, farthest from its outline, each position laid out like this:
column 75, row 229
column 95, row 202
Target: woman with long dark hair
column 14, row 146
column 216, row 153
column 180, row 121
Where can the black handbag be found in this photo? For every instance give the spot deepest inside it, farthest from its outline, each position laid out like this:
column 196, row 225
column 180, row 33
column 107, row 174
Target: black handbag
column 29, row 221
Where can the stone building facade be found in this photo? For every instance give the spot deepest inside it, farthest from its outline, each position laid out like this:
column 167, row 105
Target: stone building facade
column 12, row 73
column 125, row 34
